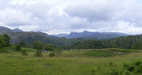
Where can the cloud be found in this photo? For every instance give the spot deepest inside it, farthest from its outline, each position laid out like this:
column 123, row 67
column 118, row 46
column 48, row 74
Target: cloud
column 64, row 16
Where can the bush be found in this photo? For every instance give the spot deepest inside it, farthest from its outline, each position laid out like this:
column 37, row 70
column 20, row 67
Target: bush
column 49, row 47
column 134, row 67
column 18, row 47
column 52, row 54
column 24, row 52
column 38, row 53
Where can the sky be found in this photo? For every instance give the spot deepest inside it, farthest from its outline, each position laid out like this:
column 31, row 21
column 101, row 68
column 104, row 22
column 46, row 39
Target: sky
column 65, row 16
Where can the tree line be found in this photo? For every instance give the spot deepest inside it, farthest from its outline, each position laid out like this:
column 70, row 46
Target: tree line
column 128, row 42
column 7, row 46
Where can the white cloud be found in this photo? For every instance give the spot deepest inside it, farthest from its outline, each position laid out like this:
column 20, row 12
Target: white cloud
column 63, row 16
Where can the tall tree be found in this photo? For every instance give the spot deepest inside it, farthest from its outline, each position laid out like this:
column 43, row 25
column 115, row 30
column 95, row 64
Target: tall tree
column 38, row 46
column 7, row 40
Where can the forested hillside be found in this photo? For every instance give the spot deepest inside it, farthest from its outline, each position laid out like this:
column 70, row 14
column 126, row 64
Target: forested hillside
column 127, row 42
column 28, row 38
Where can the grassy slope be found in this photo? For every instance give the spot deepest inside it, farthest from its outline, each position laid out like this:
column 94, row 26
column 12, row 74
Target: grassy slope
column 16, row 64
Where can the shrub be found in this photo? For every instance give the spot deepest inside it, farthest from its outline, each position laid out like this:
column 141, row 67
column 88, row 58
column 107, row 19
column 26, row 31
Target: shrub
column 134, row 67
column 18, row 47
column 38, row 53
column 138, row 63
column 52, row 54
column 49, row 47
column 24, row 52
column 38, row 46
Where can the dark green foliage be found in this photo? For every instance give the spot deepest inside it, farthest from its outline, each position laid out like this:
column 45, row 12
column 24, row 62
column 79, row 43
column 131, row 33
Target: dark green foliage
column 18, row 47
column 131, row 68
column 128, row 42
column 4, row 41
column 38, row 53
column 137, row 44
column 23, row 44
column 38, row 46
column 93, row 72
column 24, row 52
column 135, row 67
column 52, row 54
column 49, row 47
column 88, row 44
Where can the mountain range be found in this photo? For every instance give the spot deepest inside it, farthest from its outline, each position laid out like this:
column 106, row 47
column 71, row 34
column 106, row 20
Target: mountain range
column 92, row 35
column 7, row 30
column 18, row 35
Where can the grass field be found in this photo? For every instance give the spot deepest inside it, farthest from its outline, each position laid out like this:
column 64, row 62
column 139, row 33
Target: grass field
column 74, row 62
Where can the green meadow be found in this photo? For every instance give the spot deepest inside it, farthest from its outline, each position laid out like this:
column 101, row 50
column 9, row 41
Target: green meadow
column 74, row 62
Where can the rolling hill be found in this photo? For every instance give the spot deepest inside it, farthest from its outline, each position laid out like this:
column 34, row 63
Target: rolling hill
column 18, row 35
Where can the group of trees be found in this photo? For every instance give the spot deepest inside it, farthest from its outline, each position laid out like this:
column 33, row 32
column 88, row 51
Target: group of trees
column 40, row 46
column 4, row 41
column 129, row 42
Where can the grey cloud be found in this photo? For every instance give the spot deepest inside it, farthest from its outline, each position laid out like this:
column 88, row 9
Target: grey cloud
column 91, row 14
column 59, row 16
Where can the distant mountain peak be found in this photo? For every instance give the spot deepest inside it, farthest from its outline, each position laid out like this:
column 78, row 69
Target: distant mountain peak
column 92, row 35
column 4, row 29
column 17, row 30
